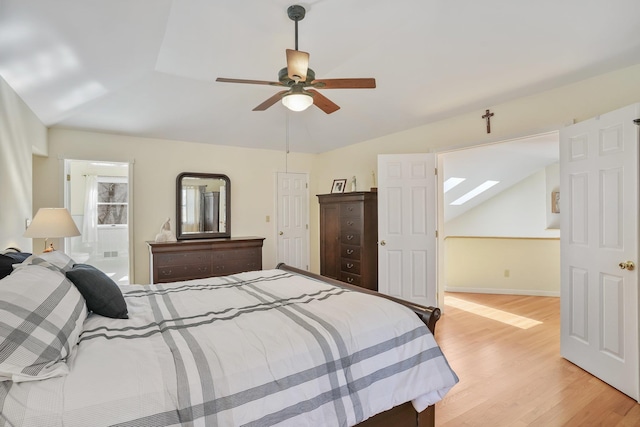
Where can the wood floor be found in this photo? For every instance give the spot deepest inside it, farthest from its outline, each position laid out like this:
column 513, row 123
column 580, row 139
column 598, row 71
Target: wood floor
column 511, row 376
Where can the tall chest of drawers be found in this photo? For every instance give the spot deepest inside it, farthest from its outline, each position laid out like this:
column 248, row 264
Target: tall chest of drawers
column 200, row 258
column 348, row 237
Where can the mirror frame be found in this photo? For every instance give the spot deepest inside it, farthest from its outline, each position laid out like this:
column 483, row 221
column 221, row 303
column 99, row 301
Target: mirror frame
column 180, row 235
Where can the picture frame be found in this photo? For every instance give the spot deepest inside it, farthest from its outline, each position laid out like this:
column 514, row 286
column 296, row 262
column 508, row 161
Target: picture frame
column 555, row 202
column 338, row 186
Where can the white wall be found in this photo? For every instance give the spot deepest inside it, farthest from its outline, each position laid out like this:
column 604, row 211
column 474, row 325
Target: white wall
column 156, row 164
column 21, row 135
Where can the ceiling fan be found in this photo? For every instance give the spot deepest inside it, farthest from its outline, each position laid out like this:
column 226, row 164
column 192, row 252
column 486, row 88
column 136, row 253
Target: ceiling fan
column 297, row 77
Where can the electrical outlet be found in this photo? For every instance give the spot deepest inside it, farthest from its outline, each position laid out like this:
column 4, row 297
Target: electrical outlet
column 27, row 223
column 268, row 218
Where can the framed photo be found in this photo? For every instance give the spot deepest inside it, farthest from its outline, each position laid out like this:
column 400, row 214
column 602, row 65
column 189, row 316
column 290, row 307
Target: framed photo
column 555, row 202
column 338, row 185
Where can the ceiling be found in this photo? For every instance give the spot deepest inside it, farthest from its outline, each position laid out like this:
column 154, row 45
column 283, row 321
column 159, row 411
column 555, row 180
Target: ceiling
column 148, row 67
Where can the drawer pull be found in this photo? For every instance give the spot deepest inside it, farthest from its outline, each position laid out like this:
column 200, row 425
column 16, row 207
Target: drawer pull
column 350, row 237
column 349, row 279
column 349, row 265
column 350, row 208
column 349, row 251
column 166, row 272
column 349, row 222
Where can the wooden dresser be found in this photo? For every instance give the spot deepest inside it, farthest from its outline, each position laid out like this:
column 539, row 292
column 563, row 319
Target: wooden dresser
column 199, row 258
column 349, row 237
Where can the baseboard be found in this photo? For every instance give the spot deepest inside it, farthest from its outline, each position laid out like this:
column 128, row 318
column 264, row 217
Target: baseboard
column 502, row 291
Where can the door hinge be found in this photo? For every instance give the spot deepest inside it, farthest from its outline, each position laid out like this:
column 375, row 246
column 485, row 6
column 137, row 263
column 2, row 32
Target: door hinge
column 68, row 177
column 307, row 226
column 436, row 171
column 436, row 234
column 306, row 185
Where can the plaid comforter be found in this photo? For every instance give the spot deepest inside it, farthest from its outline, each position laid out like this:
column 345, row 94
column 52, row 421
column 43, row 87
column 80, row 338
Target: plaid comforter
column 254, row 349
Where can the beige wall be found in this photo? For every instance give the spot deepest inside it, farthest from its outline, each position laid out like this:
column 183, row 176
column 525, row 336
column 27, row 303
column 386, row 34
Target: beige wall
column 525, row 116
column 21, row 134
column 503, row 265
column 157, row 163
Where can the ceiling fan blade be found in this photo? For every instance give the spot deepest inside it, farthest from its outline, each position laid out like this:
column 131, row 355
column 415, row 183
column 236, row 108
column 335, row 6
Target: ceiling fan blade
column 364, row 83
column 324, row 103
column 297, row 64
column 251, row 82
column 269, row 102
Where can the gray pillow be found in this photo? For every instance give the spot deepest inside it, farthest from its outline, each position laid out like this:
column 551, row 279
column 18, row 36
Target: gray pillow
column 102, row 294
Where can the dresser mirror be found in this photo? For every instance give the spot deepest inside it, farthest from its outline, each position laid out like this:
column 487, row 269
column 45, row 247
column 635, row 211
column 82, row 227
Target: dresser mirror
column 203, row 206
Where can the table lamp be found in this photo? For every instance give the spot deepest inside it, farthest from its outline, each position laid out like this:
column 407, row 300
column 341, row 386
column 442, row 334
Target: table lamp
column 51, row 223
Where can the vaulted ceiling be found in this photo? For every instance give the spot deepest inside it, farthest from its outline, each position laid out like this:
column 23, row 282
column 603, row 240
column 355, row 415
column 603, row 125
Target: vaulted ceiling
column 148, row 67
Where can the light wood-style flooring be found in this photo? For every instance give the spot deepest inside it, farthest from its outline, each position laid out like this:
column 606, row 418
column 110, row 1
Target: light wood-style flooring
column 511, row 376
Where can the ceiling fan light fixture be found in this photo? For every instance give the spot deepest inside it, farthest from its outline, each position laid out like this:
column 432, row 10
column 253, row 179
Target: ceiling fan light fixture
column 297, row 101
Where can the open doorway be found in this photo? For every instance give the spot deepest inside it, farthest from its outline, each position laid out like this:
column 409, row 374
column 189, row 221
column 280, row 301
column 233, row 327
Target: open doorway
column 499, row 226
column 97, row 195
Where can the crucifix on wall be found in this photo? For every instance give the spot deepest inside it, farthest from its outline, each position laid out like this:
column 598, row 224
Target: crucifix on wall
column 487, row 116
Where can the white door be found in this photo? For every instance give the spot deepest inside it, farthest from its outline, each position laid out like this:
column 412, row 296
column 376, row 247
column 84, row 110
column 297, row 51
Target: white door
column 407, row 227
column 599, row 229
column 293, row 220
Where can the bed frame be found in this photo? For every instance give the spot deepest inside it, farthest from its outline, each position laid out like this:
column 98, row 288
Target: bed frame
column 402, row 415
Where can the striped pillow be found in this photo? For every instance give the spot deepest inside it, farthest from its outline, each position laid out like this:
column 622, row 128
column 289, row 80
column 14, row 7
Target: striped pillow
column 41, row 317
column 56, row 258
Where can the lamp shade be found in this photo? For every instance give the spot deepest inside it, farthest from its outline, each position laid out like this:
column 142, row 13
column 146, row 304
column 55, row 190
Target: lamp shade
column 297, row 101
column 52, row 222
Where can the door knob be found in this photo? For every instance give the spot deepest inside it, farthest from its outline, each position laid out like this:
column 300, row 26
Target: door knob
column 382, row 243
column 281, row 233
column 628, row 265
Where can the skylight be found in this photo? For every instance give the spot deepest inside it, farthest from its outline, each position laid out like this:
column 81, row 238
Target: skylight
column 473, row 193
column 452, row 182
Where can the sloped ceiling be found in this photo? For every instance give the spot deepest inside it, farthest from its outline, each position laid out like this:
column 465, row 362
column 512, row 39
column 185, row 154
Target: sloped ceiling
column 148, row 67
column 507, row 162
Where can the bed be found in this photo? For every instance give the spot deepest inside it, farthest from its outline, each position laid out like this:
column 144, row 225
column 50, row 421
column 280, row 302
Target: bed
column 269, row 347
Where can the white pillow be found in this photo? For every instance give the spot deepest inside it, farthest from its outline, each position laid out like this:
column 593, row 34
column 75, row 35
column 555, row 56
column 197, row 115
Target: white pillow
column 41, row 314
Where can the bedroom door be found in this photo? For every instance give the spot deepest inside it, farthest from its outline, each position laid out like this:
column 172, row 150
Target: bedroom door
column 293, row 219
column 599, row 247
column 407, row 218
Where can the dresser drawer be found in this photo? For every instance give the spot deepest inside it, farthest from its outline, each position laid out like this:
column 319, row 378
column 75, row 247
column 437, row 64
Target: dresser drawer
column 182, row 258
column 351, row 224
column 352, row 279
column 350, row 209
column 234, row 266
column 234, row 254
column 182, row 272
column 350, row 252
column 350, row 266
column 350, row 238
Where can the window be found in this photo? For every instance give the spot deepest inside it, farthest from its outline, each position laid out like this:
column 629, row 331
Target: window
column 113, row 201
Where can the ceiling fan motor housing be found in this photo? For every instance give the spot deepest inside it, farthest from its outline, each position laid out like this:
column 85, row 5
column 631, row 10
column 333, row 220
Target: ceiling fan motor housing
column 283, row 77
